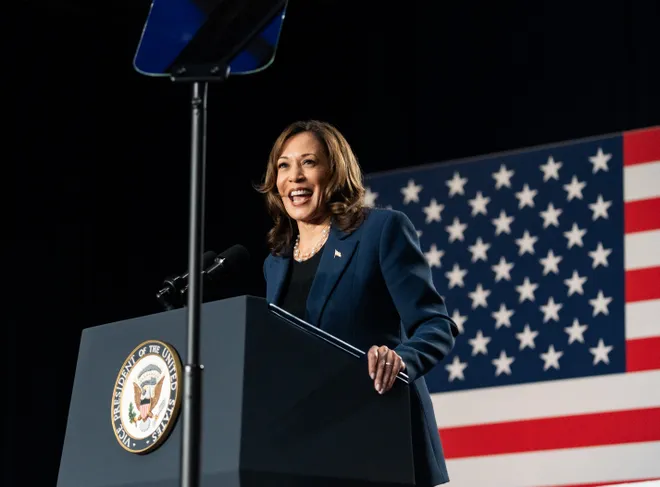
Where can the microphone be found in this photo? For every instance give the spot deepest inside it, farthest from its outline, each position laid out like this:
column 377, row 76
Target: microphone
column 232, row 260
column 229, row 262
column 170, row 295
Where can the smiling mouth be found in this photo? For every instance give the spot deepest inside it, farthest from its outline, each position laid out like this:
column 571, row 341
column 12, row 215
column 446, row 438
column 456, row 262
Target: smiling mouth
column 300, row 196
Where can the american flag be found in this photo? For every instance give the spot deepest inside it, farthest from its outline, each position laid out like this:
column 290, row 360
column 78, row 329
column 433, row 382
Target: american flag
column 549, row 260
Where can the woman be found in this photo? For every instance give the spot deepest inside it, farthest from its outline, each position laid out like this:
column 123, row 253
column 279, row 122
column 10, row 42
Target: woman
column 355, row 272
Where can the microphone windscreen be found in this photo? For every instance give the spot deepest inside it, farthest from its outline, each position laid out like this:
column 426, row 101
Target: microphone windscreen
column 236, row 257
column 208, row 258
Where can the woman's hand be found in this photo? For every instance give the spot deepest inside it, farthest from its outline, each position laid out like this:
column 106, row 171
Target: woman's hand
column 384, row 365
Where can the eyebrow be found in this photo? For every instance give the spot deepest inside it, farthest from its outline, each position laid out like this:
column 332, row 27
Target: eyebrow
column 302, row 155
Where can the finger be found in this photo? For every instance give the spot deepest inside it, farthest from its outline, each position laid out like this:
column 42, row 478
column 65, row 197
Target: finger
column 372, row 357
column 396, row 367
column 387, row 371
column 380, row 368
column 401, row 368
column 391, row 368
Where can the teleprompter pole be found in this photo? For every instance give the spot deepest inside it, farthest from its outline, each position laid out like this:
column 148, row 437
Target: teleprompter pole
column 198, row 77
column 192, row 381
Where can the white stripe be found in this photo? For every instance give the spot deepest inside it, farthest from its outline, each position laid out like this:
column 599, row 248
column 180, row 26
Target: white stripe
column 642, row 249
column 641, row 181
column 643, row 319
column 615, row 392
column 558, row 467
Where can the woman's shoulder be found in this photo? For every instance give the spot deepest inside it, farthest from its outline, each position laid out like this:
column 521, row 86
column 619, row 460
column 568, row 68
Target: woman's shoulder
column 381, row 224
column 379, row 217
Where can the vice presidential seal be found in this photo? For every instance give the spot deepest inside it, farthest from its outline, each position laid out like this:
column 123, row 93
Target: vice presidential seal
column 146, row 397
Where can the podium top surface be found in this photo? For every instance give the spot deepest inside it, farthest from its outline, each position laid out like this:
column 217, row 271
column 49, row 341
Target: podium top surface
column 314, row 330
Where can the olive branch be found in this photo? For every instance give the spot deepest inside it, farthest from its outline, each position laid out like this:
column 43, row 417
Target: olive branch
column 131, row 413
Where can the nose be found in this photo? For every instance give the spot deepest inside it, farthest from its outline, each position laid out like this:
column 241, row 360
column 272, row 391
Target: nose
column 296, row 173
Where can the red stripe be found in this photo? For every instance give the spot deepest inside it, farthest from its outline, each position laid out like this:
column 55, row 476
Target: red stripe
column 641, row 146
column 605, row 428
column 642, row 354
column 642, row 284
column 614, row 482
column 642, row 215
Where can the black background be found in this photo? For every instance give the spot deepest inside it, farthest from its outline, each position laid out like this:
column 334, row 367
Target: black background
column 96, row 156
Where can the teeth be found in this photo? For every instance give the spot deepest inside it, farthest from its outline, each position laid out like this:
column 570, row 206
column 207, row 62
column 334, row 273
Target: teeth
column 300, row 192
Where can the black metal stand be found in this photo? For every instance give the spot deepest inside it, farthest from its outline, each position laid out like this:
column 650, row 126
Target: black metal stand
column 192, row 379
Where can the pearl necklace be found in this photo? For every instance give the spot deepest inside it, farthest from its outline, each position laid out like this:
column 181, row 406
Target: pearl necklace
column 301, row 257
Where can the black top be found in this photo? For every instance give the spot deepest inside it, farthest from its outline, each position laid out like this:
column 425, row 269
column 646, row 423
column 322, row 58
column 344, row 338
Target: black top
column 298, row 283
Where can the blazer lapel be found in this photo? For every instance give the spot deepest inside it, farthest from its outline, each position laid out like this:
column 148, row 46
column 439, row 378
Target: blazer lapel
column 277, row 274
column 336, row 256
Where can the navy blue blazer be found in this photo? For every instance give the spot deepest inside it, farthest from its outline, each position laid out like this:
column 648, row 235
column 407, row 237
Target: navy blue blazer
column 374, row 287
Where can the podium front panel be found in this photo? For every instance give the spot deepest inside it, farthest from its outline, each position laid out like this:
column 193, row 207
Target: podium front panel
column 92, row 455
column 279, row 408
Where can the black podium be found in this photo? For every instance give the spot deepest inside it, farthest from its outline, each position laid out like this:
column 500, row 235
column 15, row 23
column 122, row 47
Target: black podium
column 283, row 404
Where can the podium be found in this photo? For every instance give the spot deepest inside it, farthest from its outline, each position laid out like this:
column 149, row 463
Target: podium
column 283, row 404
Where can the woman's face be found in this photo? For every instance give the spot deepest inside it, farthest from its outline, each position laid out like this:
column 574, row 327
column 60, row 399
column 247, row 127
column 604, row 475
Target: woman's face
column 303, row 171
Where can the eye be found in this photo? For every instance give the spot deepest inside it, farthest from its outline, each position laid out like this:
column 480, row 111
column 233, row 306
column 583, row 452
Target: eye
column 309, row 161
column 281, row 165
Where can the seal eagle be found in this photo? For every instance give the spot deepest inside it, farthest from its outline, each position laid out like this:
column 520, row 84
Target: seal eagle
column 147, row 392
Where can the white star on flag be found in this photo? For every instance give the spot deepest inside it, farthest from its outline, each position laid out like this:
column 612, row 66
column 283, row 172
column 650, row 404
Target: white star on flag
column 575, row 236
column 526, row 290
column 576, row 332
column 601, row 353
column 526, row 337
column 574, row 189
column 503, row 177
column 456, row 276
column 478, row 204
column 551, row 216
column 479, row 343
column 411, row 192
column 370, row 197
column 575, row 283
column 456, row 369
column 551, row 169
column 526, row 197
column 503, row 364
column 479, row 250
column 599, row 208
column 456, row 185
column 551, row 358
column 600, row 161
column 433, row 211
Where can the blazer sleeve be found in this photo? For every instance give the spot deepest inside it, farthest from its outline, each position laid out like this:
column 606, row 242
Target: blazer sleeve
column 431, row 332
